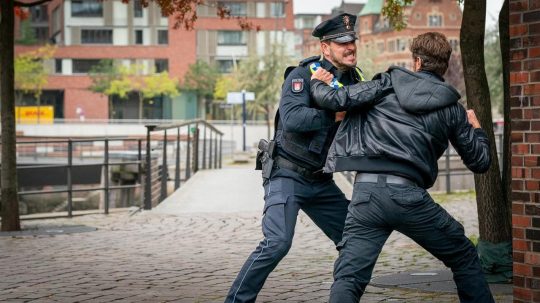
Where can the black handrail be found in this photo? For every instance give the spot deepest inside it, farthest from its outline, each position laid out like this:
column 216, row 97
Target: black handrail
column 192, row 157
column 70, row 165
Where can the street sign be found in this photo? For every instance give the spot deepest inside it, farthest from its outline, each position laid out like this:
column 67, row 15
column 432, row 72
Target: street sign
column 241, row 98
column 236, row 97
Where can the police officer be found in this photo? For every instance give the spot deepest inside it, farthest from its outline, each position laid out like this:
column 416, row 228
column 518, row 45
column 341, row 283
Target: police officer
column 296, row 181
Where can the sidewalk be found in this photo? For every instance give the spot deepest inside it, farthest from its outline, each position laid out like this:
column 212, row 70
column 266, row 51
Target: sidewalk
column 190, row 251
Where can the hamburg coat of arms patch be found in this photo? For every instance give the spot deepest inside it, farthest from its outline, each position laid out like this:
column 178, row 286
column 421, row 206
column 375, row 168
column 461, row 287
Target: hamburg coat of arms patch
column 297, row 85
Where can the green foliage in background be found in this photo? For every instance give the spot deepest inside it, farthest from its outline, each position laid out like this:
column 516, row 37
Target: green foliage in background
column 494, row 72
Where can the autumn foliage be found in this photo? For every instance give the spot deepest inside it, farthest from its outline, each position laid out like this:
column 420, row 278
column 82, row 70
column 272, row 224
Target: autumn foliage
column 185, row 12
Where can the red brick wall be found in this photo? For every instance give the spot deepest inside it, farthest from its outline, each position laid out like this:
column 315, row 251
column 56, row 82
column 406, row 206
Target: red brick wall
column 525, row 114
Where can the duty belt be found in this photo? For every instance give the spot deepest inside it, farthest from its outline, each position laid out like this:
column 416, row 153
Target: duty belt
column 309, row 174
column 376, row 178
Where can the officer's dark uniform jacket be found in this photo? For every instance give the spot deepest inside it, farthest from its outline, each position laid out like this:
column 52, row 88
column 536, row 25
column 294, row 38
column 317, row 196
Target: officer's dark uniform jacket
column 400, row 123
column 304, row 130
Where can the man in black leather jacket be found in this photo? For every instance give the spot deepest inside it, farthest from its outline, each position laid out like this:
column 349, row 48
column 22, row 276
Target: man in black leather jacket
column 397, row 127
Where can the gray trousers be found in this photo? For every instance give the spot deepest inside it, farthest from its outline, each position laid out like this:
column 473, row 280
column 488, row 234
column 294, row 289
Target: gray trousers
column 286, row 192
column 379, row 208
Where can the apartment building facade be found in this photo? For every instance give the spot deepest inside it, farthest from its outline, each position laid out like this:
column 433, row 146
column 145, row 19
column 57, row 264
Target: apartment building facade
column 87, row 31
column 386, row 46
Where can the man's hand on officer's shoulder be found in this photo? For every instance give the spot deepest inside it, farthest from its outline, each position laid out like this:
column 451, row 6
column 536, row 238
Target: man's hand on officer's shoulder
column 323, row 75
column 471, row 116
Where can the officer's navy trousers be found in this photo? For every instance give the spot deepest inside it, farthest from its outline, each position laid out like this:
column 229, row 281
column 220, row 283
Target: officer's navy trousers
column 379, row 208
column 286, row 192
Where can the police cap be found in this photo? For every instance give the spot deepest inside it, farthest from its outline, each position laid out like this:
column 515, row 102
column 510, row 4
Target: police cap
column 339, row 29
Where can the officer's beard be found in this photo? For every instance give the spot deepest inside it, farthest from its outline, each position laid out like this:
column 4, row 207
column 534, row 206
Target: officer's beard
column 341, row 64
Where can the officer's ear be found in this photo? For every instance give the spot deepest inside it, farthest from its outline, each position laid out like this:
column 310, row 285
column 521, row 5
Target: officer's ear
column 325, row 48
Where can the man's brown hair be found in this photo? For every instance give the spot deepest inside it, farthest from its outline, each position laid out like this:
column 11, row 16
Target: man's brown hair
column 434, row 51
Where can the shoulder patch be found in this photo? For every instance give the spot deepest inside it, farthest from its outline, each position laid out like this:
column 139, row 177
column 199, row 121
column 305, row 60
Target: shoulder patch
column 297, row 85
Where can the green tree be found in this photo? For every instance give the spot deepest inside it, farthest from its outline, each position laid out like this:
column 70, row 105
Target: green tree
column 201, row 79
column 30, row 73
column 263, row 76
column 28, row 36
column 118, row 80
column 225, row 84
column 492, row 53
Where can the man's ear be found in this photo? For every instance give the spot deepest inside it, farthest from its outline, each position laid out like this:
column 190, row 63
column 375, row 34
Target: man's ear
column 325, row 48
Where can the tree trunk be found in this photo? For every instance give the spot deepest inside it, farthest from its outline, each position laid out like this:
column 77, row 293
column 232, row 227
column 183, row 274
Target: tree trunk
column 504, row 38
column 494, row 221
column 9, row 197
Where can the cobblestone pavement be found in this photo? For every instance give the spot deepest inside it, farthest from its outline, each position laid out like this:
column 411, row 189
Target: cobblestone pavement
column 151, row 257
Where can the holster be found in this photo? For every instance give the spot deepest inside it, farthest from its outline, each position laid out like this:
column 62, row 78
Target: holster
column 265, row 157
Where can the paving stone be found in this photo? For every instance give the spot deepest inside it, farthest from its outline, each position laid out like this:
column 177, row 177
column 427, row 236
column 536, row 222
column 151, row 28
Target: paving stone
column 194, row 257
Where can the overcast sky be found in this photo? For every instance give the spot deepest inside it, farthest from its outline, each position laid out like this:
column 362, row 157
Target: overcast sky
column 325, row 7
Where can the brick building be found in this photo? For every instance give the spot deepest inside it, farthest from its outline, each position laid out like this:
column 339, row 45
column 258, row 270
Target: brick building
column 525, row 115
column 307, row 45
column 387, row 46
column 87, row 31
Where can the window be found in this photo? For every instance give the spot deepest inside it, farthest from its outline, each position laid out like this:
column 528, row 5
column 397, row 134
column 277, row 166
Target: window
column 161, row 65
column 83, row 66
column 225, row 66
column 380, row 47
column 41, row 33
column 138, row 36
column 455, row 44
column 234, row 8
column 39, row 13
column 96, row 36
column 435, row 21
column 137, row 9
column 163, row 36
column 277, row 9
column 231, row 38
column 391, row 46
column 58, row 66
column 86, row 8
column 401, row 45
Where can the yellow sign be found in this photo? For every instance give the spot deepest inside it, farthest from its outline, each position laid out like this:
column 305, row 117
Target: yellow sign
column 34, row 114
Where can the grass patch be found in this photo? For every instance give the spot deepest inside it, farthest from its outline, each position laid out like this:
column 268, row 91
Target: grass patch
column 474, row 239
column 455, row 196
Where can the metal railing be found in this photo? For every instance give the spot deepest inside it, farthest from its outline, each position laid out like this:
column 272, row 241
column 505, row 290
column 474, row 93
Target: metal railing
column 210, row 156
column 69, row 159
column 448, row 171
column 68, row 154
